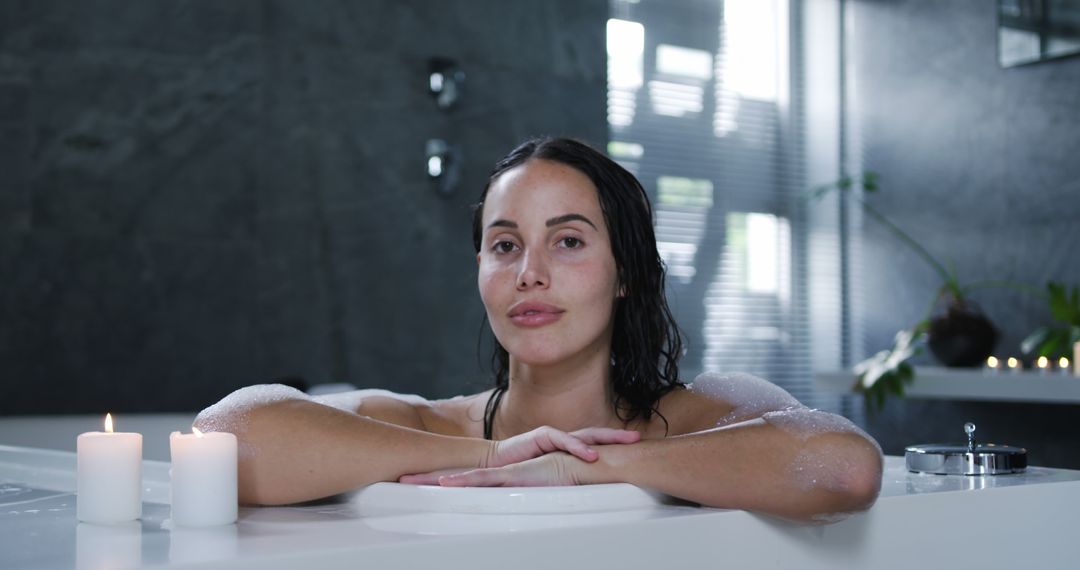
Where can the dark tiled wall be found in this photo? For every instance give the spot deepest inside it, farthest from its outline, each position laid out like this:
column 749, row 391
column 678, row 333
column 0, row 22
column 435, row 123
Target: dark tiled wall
column 980, row 163
column 199, row 195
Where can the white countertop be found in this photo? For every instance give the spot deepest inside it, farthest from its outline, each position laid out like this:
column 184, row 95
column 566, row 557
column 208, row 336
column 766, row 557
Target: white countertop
column 1008, row 519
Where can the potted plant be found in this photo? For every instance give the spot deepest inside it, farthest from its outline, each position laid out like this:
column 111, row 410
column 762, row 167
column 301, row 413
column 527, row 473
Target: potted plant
column 1057, row 340
column 962, row 336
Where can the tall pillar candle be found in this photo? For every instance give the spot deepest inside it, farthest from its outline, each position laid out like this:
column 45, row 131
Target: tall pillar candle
column 203, row 478
column 108, row 475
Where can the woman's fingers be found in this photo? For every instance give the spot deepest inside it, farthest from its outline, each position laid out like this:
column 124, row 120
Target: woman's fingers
column 420, row 479
column 477, row 478
column 558, row 440
column 552, row 469
column 431, row 478
column 544, row 440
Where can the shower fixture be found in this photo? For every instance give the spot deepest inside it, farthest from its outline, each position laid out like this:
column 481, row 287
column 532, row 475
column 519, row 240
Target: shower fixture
column 443, row 165
column 445, row 81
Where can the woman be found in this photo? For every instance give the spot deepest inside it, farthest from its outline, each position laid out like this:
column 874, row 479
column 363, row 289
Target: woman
column 587, row 387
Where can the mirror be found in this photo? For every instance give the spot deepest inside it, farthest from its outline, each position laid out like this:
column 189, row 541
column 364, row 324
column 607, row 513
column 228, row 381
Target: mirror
column 1030, row 31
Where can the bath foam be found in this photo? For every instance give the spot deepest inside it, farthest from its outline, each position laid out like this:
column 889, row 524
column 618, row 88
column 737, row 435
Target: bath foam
column 805, row 423
column 751, row 396
column 816, row 470
column 819, row 469
column 230, row 413
column 350, row 401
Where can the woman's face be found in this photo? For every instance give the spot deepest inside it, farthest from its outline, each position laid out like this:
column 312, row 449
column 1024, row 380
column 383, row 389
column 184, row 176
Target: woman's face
column 547, row 275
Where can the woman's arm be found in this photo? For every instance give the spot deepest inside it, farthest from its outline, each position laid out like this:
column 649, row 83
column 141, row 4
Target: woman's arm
column 296, row 448
column 747, row 445
column 293, row 448
column 756, row 465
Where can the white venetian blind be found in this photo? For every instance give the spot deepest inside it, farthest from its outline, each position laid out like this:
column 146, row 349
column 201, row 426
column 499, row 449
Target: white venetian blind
column 705, row 107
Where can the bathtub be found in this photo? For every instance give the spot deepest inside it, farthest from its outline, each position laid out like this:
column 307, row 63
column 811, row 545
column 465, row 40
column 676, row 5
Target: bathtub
column 919, row 521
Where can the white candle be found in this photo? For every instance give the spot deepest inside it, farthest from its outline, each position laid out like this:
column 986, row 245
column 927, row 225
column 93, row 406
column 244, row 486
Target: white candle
column 1042, row 363
column 992, row 364
column 203, row 478
column 109, row 475
column 1063, row 366
column 1013, row 364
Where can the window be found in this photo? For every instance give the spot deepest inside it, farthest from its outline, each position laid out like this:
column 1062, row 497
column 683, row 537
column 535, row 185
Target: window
column 704, row 107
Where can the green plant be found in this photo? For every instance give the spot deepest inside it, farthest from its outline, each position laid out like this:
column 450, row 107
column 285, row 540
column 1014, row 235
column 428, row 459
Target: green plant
column 889, row 371
column 1054, row 341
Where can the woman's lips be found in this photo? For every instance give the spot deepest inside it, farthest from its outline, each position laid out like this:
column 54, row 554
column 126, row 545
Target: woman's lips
column 528, row 314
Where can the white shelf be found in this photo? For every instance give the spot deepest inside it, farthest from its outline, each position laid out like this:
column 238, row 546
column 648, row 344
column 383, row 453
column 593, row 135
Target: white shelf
column 972, row 384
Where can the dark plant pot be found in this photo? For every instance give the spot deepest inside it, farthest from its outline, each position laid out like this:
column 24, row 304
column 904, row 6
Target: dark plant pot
column 963, row 337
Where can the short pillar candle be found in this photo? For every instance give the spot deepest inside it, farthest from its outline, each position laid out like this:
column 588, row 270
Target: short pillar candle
column 108, row 476
column 203, row 491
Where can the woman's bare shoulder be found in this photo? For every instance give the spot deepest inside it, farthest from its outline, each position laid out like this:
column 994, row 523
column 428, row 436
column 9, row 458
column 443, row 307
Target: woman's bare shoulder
column 382, row 405
column 461, row 416
column 714, row 400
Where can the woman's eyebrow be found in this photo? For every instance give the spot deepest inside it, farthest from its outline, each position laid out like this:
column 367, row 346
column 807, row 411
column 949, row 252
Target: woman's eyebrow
column 502, row 224
column 569, row 218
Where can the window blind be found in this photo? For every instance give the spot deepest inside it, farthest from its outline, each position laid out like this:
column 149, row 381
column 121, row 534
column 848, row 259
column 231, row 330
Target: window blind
column 705, row 106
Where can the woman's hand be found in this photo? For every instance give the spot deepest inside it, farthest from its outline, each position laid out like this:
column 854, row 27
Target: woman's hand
column 545, row 440
column 537, row 444
column 547, row 470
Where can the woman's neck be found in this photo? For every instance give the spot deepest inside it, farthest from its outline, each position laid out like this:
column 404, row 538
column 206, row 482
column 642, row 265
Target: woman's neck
column 567, row 396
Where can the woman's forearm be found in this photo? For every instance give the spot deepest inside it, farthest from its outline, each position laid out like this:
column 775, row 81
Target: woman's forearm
column 754, row 466
column 295, row 450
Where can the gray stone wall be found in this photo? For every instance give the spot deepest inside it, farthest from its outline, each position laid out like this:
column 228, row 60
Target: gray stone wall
column 202, row 195
column 979, row 163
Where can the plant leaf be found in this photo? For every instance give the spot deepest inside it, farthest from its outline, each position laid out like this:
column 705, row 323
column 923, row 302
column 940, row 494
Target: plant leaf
column 870, row 182
column 1053, row 343
column 1059, row 302
column 1034, row 340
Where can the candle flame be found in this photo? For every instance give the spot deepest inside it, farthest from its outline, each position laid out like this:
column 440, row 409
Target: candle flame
column 1063, row 363
column 992, row 362
column 1013, row 363
column 108, row 423
column 196, row 431
column 1043, row 362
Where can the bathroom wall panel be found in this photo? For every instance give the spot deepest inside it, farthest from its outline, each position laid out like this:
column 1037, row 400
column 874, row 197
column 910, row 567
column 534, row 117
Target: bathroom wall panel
column 15, row 166
column 92, row 324
column 145, row 143
column 219, row 194
column 978, row 163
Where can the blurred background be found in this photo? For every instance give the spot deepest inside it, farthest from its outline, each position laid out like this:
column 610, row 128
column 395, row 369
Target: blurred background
column 197, row 195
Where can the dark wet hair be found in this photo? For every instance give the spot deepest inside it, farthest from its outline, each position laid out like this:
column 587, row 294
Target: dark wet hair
column 646, row 344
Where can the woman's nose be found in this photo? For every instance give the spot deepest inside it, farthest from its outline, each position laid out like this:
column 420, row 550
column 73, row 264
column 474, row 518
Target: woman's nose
column 533, row 271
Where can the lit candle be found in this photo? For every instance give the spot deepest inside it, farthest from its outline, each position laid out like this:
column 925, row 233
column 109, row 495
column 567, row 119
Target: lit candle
column 1042, row 363
column 1013, row 364
column 203, row 478
column 1063, row 366
column 109, row 475
column 992, row 364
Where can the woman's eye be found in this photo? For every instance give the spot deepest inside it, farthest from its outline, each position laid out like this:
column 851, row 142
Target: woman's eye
column 504, row 246
column 570, row 242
